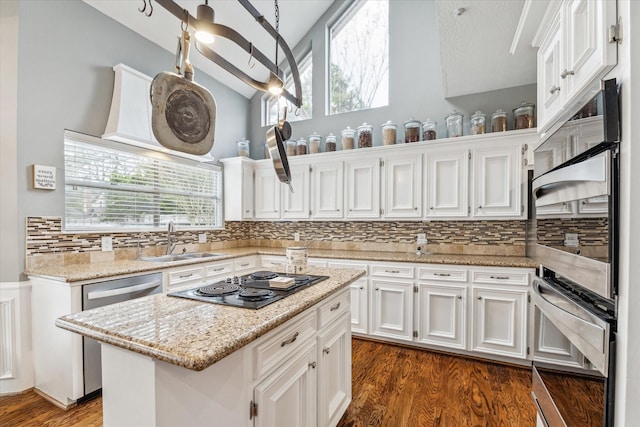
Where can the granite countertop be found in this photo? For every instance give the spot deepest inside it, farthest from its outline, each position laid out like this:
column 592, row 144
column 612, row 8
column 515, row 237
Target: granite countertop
column 81, row 272
column 195, row 334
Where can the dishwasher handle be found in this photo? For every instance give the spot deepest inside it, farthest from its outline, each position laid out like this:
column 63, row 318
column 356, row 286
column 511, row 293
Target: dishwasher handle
column 122, row 291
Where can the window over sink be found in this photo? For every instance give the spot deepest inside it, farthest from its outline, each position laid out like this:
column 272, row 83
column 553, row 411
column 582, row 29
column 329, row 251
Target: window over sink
column 114, row 186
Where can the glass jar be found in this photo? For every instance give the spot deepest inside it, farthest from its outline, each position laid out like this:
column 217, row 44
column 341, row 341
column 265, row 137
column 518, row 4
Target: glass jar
column 330, row 143
column 365, row 135
column 412, row 130
column 454, row 124
column 523, row 115
column 267, row 155
column 348, row 138
column 478, row 123
column 243, row 147
column 429, row 130
column 389, row 133
column 314, row 143
column 291, row 147
column 301, row 147
column 499, row 121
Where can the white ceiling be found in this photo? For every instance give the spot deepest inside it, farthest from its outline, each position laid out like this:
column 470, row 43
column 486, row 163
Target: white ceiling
column 296, row 18
column 474, row 46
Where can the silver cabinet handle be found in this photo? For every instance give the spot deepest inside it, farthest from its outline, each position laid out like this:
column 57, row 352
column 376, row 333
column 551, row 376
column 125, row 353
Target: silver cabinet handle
column 442, row 274
column 290, row 340
column 244, row 265
column 479, row 297
column 565, row 73
column 326, row 350
column 312, row 365
column 218, row 269
column 554, row 89
column 335, row 307
column 184, row 276
column 500, row 277
column 459, row 296
column 392, row 271
column 123, row 290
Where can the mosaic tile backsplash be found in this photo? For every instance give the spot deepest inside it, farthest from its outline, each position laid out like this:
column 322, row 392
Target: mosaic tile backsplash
column 44, row 235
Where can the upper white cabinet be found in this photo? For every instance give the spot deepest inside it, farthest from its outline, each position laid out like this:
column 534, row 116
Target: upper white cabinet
column 497, row 184
column 327, row 189
column 402, row 185
column 576, row 49
column 295, row 205
column 267, row 193
column 363, row 187
column 447, row 174
column 238, row 191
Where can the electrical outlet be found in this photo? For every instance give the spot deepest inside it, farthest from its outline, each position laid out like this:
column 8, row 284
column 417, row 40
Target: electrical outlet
column 202, row 238
column 107, row 243
column 422, row 239
column 571, row 240
column 296, row 236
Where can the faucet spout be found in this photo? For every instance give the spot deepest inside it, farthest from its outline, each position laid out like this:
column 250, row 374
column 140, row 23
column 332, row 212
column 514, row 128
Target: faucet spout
column 171, row 244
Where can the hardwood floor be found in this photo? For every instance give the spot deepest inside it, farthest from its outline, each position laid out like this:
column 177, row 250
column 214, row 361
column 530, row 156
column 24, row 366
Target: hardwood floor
column 392, row 386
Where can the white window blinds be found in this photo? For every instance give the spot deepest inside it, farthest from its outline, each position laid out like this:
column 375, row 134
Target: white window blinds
column 109, row 185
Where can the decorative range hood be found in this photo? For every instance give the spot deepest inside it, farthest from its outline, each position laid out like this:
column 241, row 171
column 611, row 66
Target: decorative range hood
column 130, row 115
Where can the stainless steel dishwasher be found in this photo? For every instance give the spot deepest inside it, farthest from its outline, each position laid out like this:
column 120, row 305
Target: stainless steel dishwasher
column 105, row 293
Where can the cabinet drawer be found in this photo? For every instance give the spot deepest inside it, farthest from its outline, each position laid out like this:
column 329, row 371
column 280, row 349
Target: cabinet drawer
column 184, row 276
column 219, row 269
column 392, row 271
column 333, row 308
column 354, row 265
column 277, row 263
column 444, row 274
column 271, row 353
column 501, row 277
column 245, row 264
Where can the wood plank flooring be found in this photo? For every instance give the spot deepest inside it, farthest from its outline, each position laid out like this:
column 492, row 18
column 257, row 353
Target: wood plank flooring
column 392, row 386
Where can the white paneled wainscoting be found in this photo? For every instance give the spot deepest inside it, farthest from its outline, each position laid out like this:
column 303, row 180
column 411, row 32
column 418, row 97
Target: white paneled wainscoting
column 16, row 368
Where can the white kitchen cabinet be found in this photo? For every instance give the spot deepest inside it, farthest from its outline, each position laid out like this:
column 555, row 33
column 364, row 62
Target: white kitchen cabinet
column 238, row 188
column 245, row 264
column 295, row 205
column 276, row 262
column 402, row 185
column 360, row 306
column 219, row 270
column 576, row 51
column 497, row 188
column 363, row 188
column 447, row 183
column 184, row 277
column 552, row 346
column 442, row 315
column 267, row 193
column 392, row 309
column 334, row 371
column 499, row 321
column 328, row 189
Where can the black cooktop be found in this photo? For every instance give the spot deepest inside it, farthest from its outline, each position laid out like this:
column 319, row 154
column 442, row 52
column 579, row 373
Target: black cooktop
column 248, row 291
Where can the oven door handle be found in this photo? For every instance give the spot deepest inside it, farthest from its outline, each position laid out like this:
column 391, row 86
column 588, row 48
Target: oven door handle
column 586, row 179
column 123, row 290
column 541, row 416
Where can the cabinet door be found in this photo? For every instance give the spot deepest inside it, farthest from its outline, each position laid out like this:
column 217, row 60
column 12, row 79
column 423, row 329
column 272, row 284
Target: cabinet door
column 328, row 195
column 497, row 178
column 247, row 192
column 551, row 346
column 360, row 306
column 442, row 315
column 287, row 398
column 392, row 304
column 403, row 186
column 447, row 183
column 363, row 188
column 588, row 53
column 499, row 321
column 267, row 194
column 550, row 94
column 334, row 372
column 296, row 205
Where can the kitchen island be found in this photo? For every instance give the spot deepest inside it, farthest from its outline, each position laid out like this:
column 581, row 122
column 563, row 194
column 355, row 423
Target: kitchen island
column 171, row 361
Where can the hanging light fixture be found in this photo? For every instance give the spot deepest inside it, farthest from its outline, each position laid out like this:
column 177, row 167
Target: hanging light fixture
column 205, row 14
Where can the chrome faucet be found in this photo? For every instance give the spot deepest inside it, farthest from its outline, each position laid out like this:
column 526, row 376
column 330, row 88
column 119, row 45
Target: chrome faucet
column 171, row 244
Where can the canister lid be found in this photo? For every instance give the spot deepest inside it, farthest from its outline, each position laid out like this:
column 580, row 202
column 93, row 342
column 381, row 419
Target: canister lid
column 389, row 124
column 478, row 114
column 453, row 113
column 412, row 123
column 524, row 106
column 499, row 113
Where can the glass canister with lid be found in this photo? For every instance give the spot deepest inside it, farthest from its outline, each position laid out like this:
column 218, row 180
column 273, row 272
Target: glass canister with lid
column 412, row 130
column 429, row 130
column 348, row 138
column 243, row 147
column 301, row 147
column 478, row 123
column 291, row 147
column 523, row 116
column 365, row 135
column 330, row 143
column 454, row 124
column 499, row 121
column 314, row 143
column 389, row 130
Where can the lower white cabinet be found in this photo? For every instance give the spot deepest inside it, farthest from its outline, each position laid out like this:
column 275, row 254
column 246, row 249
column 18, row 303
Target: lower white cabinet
column 442, row 315
column 392, row 309
column 499, row 321
column 360, row 306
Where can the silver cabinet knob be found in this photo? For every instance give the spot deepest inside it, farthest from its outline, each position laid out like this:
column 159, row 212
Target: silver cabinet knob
column 326, row 350
column 554, row 89
column 565, row 73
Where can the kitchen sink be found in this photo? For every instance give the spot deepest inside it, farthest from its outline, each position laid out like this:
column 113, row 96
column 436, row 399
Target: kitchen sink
column 180, row 257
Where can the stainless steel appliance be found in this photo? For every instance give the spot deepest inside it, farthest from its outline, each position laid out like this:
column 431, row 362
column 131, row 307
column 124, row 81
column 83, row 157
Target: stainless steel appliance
column 573, row 235
column 248, row 291
column 106, row 293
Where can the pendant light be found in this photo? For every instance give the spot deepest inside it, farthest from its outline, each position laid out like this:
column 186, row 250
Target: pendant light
column 205, row 14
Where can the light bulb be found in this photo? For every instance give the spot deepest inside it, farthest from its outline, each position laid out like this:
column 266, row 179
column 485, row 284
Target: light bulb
column 205, row 37
column 275, row 85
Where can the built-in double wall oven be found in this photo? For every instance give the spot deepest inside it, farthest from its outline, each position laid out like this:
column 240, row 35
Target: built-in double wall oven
column 572, row 235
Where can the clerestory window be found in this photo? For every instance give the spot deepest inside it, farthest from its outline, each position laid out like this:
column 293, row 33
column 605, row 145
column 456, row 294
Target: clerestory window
column 275, row 104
